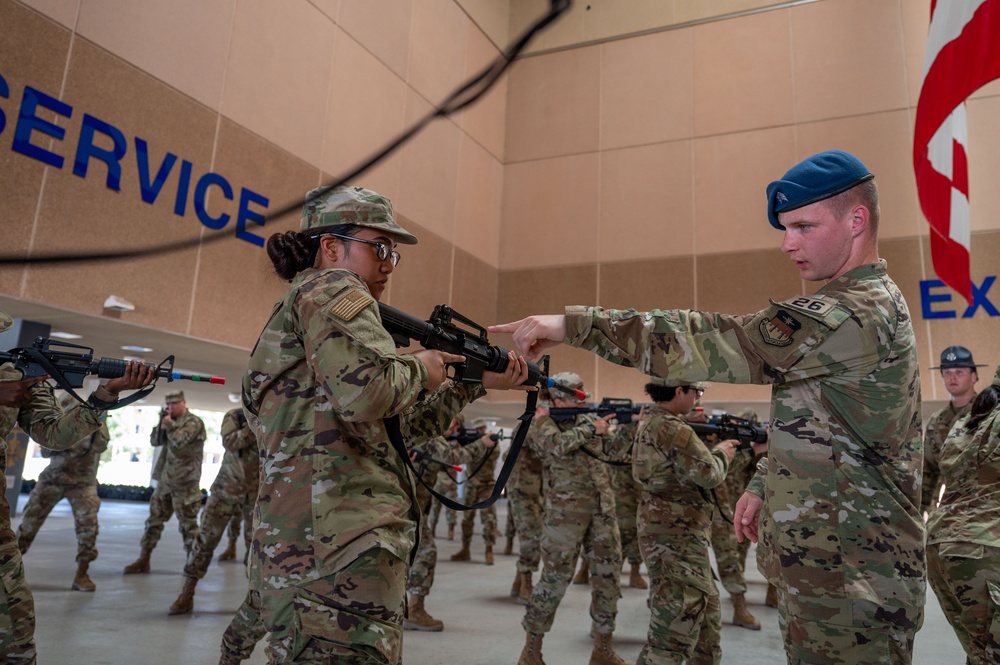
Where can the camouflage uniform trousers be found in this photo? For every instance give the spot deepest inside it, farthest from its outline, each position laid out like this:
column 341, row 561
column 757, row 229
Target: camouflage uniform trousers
column 845, row 631
column 216, row 516
column 82, row 497
column 445, row 486
column 17, row 607
column 685, row 624
column 730, row 554
column 244, row 631
column 487, row 516
column 421, row 577
column 354, row 617
column 238, row 520
column 563, row 532
column 162, row 505
column 526, row 510
column 626, row 508
column 968, row 588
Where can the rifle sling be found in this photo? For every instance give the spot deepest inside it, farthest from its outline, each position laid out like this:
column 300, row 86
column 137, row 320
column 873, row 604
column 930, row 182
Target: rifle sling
column 396, row 438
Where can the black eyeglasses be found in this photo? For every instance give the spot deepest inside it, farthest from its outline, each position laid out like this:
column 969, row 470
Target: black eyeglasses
column 381, row 249
column 698, row 391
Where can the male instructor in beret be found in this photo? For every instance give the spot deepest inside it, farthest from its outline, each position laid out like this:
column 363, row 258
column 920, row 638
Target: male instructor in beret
column 836, row 501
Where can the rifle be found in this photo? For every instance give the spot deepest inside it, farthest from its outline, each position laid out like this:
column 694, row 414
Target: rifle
column 464, row 436
column 621, row 407
column 440, row 333
column 68, row 369
column 726, row 426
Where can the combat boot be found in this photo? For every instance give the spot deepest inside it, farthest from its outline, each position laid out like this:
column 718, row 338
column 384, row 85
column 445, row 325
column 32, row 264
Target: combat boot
column 515, row 588
column 81, row 581
column 489, row 555
column 230, row 552
column 604, row 653
column 463, row 554
column 509, row 547
column 524, row 597
column 140, row 565
column 635, row 579
column 742, row 616
column 531, row 654
column 185, row 601
column 229, row 659
column 772, row 596
column 582, row 575
column 451, row 532
column 417, row 617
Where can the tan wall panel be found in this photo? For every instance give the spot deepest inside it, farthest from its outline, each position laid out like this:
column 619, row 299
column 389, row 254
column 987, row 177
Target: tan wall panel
column 743, row 282
column 647, row 284
column 843, row 65
column 647, row 202
column 437, row 48
column 236, row 285
column 428, row 178
column 383, row 26
column 916, row 21
column 693, row 11
column 474, row 289
column 647, row 89
column 984, row 163
column 731, row 174
column 492, row 17
column 83, row 214
column 63, row 12
column 553, row 105
column 423, row 277
column 283, row 99
column 184, row 43
column 742, row 81
column 24, row 31
column 550, row 212
column 478, row 202
column 485, row 121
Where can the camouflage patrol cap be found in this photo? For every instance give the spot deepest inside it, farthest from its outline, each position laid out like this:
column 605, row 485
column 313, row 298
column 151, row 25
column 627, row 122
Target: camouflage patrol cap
column 814, row 179
column 175, row 396
column 479, row 422
column 668, row 383
column 957, row 356
column 570, row 380
column 5, row 321
column 352, row 205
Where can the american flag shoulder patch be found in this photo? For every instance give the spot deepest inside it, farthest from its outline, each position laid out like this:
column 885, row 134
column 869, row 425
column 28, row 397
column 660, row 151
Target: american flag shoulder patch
column 347, row 306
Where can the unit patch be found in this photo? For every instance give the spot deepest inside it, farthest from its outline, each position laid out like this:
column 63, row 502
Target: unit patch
column 778, row 331
column 348, row 305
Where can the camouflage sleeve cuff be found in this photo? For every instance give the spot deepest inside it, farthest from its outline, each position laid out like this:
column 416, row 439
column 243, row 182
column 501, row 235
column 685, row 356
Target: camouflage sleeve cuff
column 756, row 485
column 579, row 321
column 102, row 398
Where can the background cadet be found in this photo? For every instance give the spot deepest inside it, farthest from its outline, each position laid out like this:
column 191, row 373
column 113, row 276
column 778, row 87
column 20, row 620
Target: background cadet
column 524, row 504
column 71, row 473
column 959, row 372
column 233, row 493
column 179, row 486
column 421, row 577
column 845, row 449
column 479, row 481
column 447, row 485
column 674, row 468
column 336, row 519
column 963, row 532
column 731, row 554
column 31, row 404
column 579, row 510
column 627, row 491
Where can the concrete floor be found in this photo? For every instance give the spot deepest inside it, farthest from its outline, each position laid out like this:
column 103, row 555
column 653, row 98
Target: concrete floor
column 126, row 620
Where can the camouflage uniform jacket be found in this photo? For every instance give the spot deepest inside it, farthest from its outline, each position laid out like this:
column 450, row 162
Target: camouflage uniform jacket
column 526, row 476
column 573, row 477
column 184, row 453
column 841, row 482
column 483, row 467
column 938, row 426
column 79, row 462
column 321, row 378
column 970, row 468
column 43, row 419
column 442, row 450
column 672, row 464
column 239, row 475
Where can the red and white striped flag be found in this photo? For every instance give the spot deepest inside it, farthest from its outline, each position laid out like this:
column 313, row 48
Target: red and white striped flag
column 963, row 54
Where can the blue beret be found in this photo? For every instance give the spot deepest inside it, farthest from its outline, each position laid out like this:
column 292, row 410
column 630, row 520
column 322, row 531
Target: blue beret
column 819, row 177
